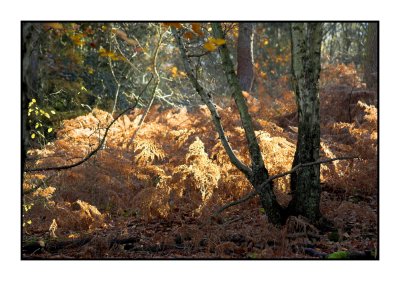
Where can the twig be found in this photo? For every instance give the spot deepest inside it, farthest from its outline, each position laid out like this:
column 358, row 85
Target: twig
column 237, row 202
column 297, row 167
column 153, row 95
column 93, row 152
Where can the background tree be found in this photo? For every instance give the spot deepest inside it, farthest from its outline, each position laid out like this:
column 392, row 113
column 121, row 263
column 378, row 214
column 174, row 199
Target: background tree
column 371, row 57
column 306, row 66
column 245, row 70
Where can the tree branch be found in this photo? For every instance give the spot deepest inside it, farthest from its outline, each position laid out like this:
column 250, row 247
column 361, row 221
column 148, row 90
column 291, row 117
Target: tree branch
column 297, row 167
column 93, row 152
column 233, row 81
column 157, row 82
column 207, row 99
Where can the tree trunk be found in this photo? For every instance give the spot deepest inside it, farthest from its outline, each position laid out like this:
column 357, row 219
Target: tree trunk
column 259, row 172
column 29, row 80
column 245, row 70
column 306, row 66
column 371, row 57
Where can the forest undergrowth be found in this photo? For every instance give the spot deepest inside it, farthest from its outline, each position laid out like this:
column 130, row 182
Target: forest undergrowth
column 156, row 198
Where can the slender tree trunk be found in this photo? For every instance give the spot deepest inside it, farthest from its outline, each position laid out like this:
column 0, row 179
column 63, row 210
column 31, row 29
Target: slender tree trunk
column 371, row 57
column 346, row 42
column 259, row 173
column 306, row 66
column 245, row 70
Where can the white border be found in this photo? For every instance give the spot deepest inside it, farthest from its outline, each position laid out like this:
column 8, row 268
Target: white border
column 15, row 11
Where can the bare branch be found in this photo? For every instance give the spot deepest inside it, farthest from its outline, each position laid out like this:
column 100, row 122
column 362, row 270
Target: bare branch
column 153, row 95
column 297, row 167
column 237, row 202
column 93, row 152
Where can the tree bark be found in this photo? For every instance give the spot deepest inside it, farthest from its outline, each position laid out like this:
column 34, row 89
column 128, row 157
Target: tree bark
column 30, row 80
column 306, row 66
column 371, row 57
column 259, row 173
column 207, row 99
column 245, row 70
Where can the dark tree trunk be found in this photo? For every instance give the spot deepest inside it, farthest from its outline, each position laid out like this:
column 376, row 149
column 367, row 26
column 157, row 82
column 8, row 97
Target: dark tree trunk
column 306, row 66
column 371, row 57
column 29, row 81
column 245, row 70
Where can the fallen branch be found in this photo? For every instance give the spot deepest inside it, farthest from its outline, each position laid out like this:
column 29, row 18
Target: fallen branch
column 94, row 151
column 295, row 168
column 54, row 246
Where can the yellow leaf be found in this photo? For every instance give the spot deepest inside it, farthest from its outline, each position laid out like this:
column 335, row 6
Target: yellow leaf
column 53, row 112
column 49, row 130
column 213, row 43
column 266, row 42
column 37, row 125
column 174, row 71
column 209, row 46
column 110, row 54
column 33, row 136
column 217, row 41
column 77, row 36
column 78, row 39
column 263, row 74
column 54, row 25
column 47, row 115
column 33, row 100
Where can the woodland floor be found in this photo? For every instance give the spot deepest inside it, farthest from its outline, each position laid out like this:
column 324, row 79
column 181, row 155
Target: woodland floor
column 244, row 234
column 155, row 199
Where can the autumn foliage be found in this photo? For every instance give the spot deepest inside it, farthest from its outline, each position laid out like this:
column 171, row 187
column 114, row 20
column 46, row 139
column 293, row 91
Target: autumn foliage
column 175, row 174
